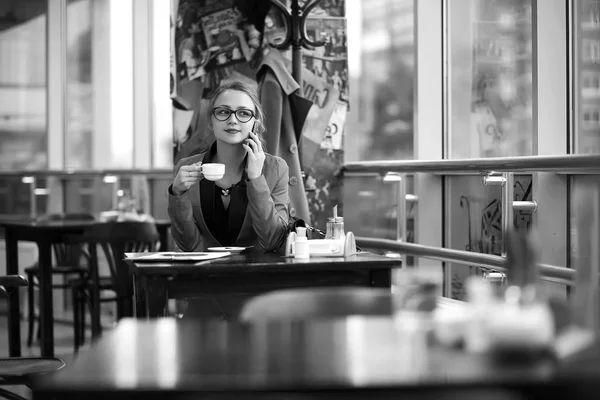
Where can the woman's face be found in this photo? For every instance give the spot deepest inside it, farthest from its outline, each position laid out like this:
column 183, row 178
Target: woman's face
column 232, row 130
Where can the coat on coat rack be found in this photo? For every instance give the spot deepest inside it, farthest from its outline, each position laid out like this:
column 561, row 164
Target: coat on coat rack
column 286, row 113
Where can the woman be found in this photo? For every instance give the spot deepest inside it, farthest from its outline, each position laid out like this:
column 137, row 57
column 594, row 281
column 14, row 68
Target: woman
column 248, row 206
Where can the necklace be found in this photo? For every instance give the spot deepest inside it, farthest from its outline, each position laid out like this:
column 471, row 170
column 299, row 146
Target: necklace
column 225, row 192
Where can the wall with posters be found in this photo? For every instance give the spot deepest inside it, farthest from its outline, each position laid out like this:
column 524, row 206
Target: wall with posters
column 216, row 40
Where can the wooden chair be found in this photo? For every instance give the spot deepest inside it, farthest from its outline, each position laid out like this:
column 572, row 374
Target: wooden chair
column 115, row 239
column 317, row 303
column 22, row 370
column 68, row 264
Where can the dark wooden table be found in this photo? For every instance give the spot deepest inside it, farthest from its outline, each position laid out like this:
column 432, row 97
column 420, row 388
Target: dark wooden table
column 156, row 282
column 44, row 234
column 351, row 357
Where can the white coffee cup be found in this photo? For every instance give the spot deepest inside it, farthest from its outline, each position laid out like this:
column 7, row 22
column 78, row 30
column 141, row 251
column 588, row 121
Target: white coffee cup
column 213, row 171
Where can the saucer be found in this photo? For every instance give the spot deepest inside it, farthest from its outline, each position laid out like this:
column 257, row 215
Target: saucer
column 229, row 249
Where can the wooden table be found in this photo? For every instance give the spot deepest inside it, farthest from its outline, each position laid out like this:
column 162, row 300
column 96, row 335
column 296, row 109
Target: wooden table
column 156, row 282
column 44, row 234
column 364, row 357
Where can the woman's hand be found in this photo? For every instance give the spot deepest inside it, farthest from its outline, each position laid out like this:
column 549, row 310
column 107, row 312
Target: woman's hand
column 256, row 156
column 186, row 177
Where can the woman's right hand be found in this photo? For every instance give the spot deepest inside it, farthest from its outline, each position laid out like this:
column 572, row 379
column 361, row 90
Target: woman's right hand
column 186, row 177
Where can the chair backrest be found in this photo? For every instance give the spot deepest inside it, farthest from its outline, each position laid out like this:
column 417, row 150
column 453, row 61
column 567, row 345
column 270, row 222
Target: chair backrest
column 116, row 239
column 69, row 253
column 318, row 302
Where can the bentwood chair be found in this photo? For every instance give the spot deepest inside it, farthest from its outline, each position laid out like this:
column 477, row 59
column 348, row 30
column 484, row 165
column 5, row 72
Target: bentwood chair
column 71, row 261
column 115, row 239
column 318, row 303
column 17, row 371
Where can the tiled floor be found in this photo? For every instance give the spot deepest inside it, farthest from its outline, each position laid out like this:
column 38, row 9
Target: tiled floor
column 63, row 340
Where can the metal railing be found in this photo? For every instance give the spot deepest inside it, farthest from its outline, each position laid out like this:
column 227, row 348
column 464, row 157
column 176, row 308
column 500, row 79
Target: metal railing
column 150, row 173
column 549, row 273
column 571, row 164
column 494, row 171
column 108, row 176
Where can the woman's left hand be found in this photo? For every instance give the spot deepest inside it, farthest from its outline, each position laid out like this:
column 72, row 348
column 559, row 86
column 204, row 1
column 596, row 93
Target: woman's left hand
column 256, row 156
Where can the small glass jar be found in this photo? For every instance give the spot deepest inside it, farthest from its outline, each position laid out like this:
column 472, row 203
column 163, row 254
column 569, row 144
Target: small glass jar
column 335, row 228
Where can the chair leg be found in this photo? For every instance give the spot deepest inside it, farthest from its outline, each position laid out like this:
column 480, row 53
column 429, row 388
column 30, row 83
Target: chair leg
column 83, row 311
column 76, row 317
column 31, row 307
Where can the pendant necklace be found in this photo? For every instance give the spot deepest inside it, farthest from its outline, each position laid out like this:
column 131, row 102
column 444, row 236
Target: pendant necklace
column 225, row 192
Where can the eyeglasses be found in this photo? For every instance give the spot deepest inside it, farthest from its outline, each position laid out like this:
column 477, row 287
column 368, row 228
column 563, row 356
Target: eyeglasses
column 223, row 114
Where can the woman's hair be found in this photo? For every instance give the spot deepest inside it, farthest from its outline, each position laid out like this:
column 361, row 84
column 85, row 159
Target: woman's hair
column 240, row 86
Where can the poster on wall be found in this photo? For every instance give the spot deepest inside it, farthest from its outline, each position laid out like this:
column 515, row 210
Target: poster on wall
column 173, row 59
column 210, row 38
column 330, row 61
column 335, row 128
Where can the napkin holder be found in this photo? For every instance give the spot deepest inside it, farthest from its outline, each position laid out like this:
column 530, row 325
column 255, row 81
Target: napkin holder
column 344, row 247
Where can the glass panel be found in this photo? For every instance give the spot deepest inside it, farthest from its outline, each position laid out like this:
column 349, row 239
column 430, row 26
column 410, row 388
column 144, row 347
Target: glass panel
column 586, row 29
column 162, row 120
column 80, row 94
column 382, row 72
column 584, row 210
column 371, row 207
column 474, row 221
column 490, row 78
column 23, row 133
column 15, row 198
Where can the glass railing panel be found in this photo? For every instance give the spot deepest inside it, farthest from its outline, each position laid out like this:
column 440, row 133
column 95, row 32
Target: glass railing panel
column 369, row 206
column 474, row 222
column 15, row 199
column 89, row 194
column 584, row 252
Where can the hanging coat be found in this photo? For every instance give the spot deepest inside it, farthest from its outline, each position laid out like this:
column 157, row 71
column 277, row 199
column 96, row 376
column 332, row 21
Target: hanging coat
column 286, row 113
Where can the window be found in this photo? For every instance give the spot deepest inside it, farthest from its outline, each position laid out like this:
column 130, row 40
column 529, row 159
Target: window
column 79, row 113
column 23, row 134
column 489, row 46
column 489, row 114
column 586, row 67
column 380, row 121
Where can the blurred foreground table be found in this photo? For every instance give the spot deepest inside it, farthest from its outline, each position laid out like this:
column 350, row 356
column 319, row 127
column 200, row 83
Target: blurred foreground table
column 350, row 357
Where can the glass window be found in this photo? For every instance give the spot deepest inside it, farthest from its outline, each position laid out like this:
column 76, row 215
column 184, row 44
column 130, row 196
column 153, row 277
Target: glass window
column 162, row 120
column 23, row 133
column 381, row 69
column 490, row 104
column 379, row 124
column 586, row 66
column 80, row 93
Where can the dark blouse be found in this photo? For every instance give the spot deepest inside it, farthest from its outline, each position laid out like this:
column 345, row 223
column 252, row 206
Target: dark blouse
column 224, row 224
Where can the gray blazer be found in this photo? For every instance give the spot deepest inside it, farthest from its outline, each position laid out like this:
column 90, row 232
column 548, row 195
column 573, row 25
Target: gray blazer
column 265, row 222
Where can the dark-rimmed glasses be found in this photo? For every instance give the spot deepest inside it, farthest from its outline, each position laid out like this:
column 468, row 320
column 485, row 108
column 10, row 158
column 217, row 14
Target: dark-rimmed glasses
column 222, row 114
